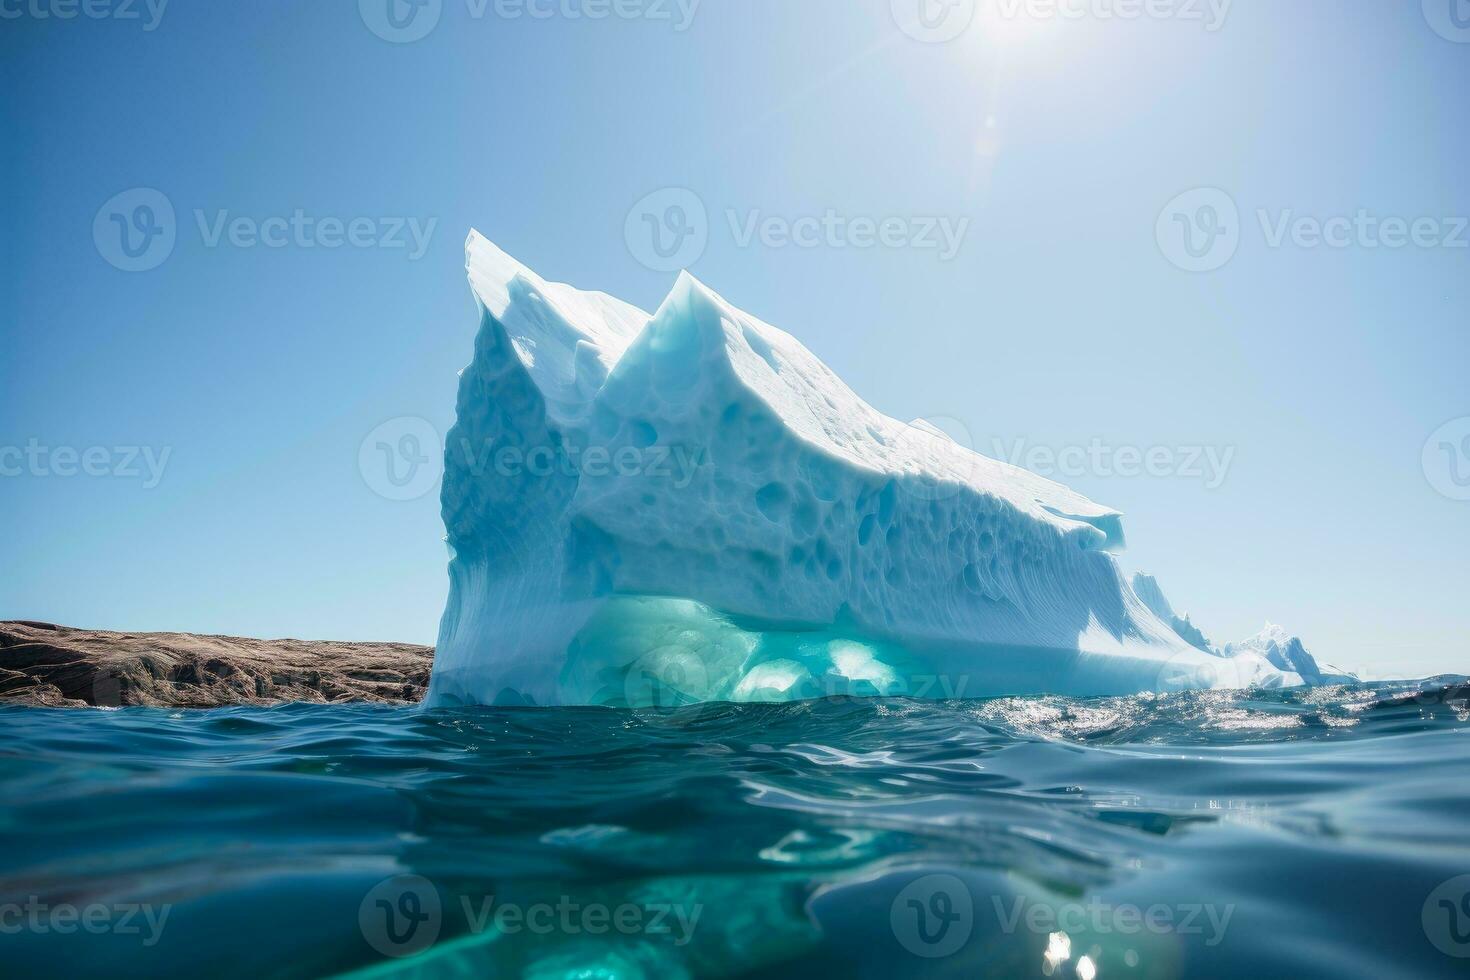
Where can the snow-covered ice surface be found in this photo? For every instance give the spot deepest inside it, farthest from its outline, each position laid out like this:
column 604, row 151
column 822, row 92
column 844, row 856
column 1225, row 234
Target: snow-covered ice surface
column 691, row 506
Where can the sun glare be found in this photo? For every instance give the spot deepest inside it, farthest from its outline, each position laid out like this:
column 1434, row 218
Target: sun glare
column 1010, row 24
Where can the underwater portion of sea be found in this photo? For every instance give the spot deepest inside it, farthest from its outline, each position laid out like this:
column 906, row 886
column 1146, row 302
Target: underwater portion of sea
column 1309, row 833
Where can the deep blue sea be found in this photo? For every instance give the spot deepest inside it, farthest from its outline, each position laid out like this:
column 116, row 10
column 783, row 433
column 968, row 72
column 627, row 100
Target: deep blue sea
column 1321, row 833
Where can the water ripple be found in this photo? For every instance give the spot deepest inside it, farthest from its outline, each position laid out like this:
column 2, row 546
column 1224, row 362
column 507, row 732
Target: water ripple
column 805, row 833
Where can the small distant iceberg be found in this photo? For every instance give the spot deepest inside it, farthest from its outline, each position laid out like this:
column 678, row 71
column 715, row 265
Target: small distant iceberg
column 689, row 506
column 1286, row 652
column 1253, row 658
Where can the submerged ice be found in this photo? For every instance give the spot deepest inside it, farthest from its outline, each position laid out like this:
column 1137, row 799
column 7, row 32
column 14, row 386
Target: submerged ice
column 690, row 506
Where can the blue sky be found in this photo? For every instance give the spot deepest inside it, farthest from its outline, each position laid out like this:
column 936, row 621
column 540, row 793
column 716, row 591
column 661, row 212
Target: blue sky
column 259, row 358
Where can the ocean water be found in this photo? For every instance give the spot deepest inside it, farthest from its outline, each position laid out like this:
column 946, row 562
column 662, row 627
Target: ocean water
column 1321, row 833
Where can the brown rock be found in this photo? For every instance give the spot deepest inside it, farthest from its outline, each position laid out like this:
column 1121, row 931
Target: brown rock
column 56, row 666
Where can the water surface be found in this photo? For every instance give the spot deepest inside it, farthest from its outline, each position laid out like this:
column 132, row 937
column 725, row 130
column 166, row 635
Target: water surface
column 1318, row 833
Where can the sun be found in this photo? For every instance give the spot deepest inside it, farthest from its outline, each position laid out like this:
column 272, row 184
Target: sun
column 1011, row 23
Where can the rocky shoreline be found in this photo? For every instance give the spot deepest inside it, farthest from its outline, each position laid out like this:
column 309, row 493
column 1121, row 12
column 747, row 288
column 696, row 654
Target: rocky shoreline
column 45, row 665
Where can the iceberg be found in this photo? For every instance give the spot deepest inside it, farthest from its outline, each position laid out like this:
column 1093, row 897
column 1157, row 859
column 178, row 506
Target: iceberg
column 689, row 506
column 1271, row 658
column 1287, row 653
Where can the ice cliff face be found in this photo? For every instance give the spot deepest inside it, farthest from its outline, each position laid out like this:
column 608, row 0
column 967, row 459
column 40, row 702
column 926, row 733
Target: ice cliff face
column 1148, row 591
column 691, row 506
